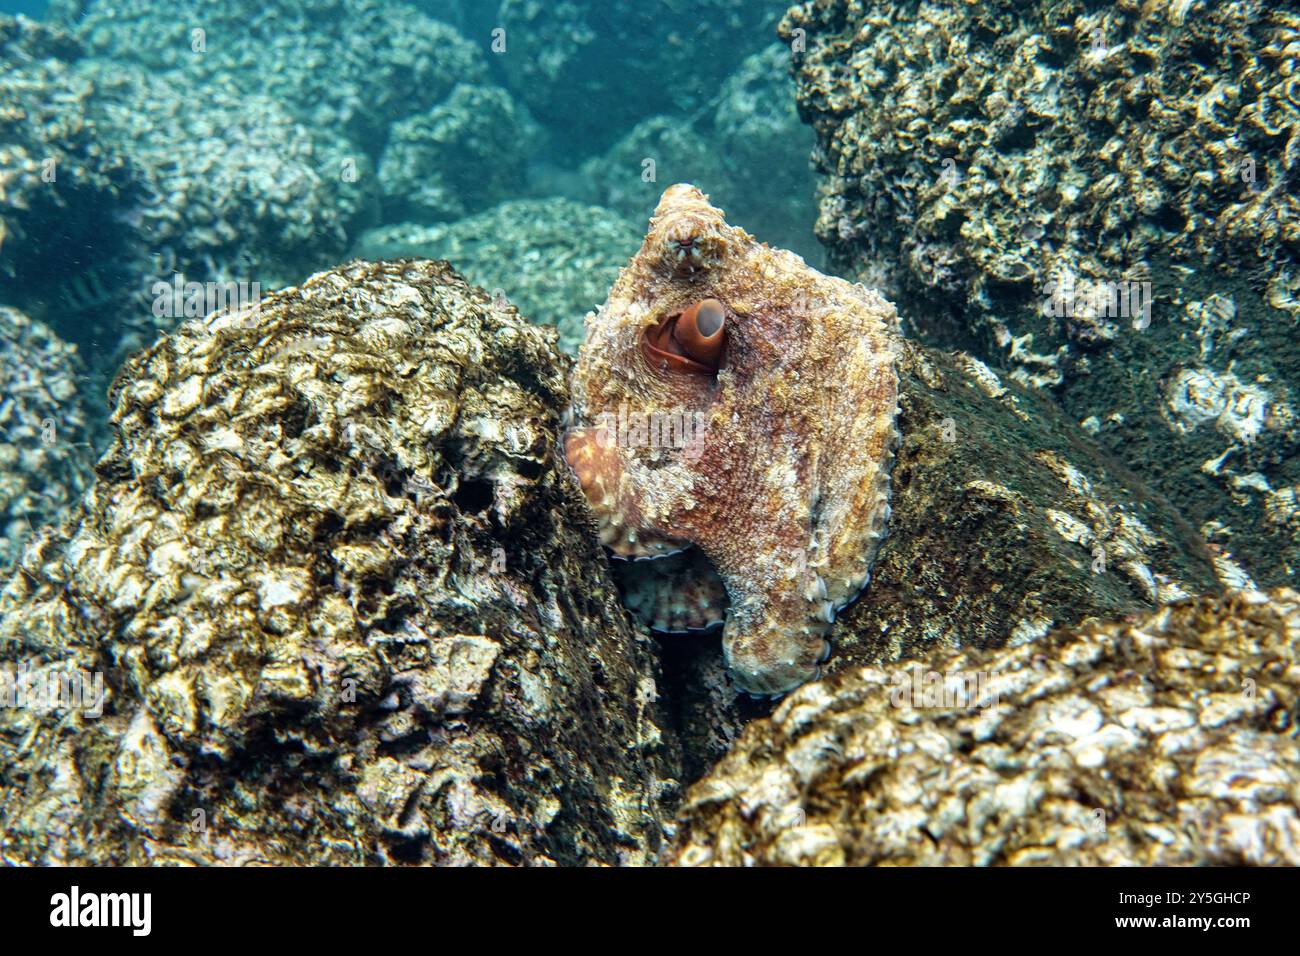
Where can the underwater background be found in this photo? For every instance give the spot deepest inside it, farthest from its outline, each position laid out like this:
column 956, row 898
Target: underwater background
column 1086, row 214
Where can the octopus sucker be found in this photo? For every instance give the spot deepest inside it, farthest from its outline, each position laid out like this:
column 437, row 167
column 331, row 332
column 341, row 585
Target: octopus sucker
column 735, row 418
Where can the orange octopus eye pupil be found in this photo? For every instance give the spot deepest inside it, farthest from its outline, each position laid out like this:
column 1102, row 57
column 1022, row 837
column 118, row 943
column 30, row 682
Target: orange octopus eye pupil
column 690, row 341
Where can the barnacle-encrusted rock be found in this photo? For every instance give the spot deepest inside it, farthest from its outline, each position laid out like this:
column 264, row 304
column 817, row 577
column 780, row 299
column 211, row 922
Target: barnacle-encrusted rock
column 351, row 66
column 334, row 577
column 1169, row 739
column 553, row 258
column 1063, row 188
column 462, row 156
column 44, row 455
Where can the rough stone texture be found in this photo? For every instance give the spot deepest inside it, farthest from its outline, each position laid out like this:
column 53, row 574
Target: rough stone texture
column 350, row 66
column 554, row 258
column 344, row 600
column 999, row 169
column 44, row 454
column 464, row 155
column 1006, row 523
column 1165, row 740
column 623, row 61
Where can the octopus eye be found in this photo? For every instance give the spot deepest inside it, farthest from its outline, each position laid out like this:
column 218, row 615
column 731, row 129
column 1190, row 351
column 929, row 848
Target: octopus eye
column 690, row 341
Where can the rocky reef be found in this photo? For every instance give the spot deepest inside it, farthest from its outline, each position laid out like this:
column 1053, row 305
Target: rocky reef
column 553, row 258
column 117, row 183
column 1096, row 200
column 44, row 454
column 333, row 595
column 350, row 66
column 1168, row 739
column 458, row 158
column 348, row 605
column 343, row 608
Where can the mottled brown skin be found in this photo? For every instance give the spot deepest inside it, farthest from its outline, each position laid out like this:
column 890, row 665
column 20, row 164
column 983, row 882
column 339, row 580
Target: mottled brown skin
column 787, row 495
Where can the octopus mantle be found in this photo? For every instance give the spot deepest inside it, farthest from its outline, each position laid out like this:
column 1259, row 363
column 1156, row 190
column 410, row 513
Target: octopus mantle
column 735, row 423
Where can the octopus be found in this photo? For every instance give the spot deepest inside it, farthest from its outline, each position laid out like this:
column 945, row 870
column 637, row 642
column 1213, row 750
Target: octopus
column 733, row 428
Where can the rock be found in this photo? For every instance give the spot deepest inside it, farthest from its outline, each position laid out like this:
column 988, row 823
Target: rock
column 59, row 175
column 629, row 177
column 349, row 66
column 347, row 604
column 1165, row 740
column 464, row 155
column 554, row 258
column 1096, row 201
column 1006, row 524
column 45, row 456
column 344, row 605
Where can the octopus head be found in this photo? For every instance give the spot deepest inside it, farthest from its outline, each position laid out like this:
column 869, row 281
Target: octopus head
column 687, row 234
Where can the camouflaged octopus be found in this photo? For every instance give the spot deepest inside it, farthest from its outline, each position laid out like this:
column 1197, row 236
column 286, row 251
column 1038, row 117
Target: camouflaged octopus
column 734, row 415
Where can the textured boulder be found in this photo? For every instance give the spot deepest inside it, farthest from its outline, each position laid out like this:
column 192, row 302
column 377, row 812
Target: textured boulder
column 343, row 602
column 460, row 157
column 1098, row 200
column 1165, row 740
column 1006, row 524
column 59, row 173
